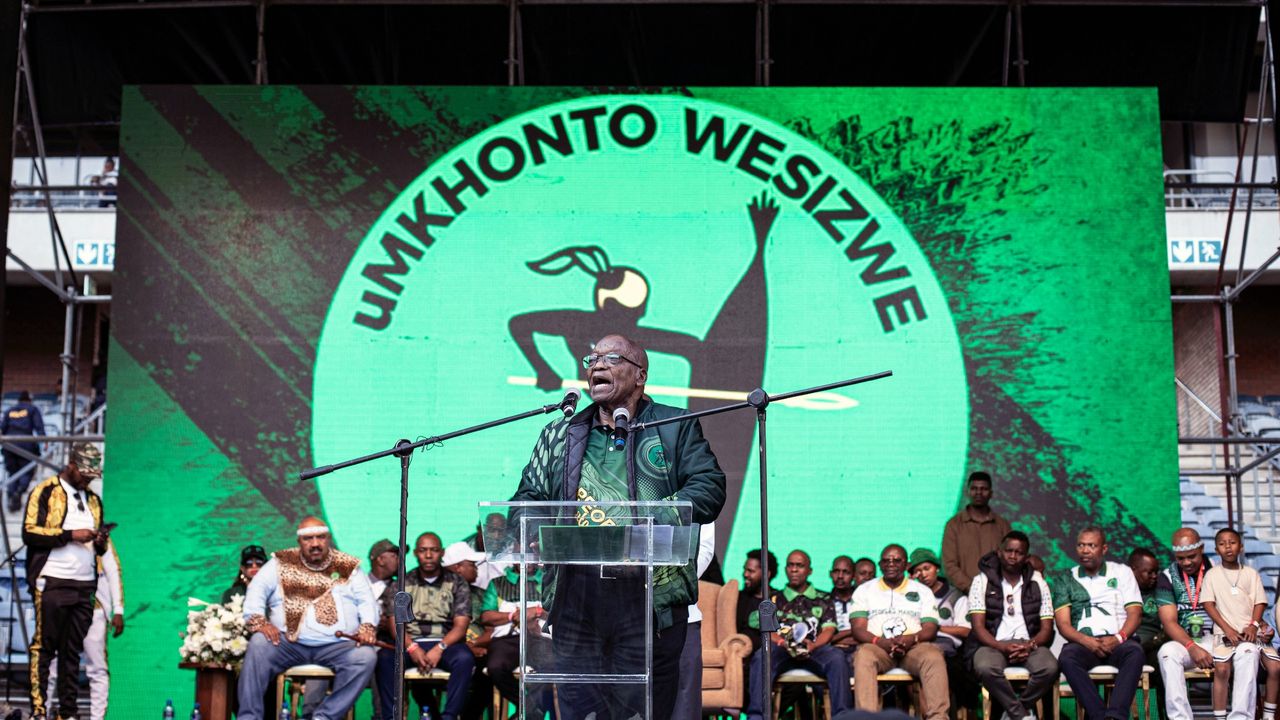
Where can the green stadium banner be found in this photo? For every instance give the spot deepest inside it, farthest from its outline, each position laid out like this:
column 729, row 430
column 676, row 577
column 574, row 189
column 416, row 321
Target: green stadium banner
column 307, row 274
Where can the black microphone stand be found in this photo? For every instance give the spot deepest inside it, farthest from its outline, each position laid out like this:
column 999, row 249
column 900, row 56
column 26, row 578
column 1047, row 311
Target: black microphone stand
column 760, row 400
column 404, row 450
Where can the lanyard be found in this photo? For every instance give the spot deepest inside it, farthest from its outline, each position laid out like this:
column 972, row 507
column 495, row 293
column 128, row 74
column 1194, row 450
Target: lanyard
column 1186, row 580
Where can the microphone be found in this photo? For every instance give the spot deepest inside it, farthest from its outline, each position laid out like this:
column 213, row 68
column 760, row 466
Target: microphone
column 621, row 426
column 569, row 405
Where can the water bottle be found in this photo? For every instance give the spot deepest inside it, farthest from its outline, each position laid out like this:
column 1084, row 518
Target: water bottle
column 168, row 710
column 195, row 712
column 284, row 710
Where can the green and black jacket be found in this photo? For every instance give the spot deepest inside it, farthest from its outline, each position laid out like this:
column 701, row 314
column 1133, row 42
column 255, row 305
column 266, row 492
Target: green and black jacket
column 677, row 464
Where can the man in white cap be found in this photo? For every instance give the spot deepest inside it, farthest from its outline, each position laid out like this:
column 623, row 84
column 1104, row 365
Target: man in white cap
column 469, row 564
column 295, row 606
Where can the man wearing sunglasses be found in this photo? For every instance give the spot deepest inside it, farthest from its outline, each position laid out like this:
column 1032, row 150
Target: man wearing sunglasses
column 1011, row 613
column 63, row 538
column 597, row 613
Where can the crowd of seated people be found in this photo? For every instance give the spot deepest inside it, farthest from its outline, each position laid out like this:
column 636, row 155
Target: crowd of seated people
column 955, row 622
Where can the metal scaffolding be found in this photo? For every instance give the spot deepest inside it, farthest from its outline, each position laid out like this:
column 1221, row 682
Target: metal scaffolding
column 75, row 295
column 1227, row 295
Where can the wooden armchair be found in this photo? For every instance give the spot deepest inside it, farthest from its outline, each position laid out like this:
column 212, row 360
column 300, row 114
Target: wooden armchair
column 724, row 649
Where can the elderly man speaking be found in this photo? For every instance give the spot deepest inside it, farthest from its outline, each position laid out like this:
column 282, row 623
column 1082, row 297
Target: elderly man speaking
column 294, row 606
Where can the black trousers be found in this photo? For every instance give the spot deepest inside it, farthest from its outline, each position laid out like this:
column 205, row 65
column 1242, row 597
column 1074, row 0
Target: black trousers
column 598, row 628
column 504, row 658
column 64, row 611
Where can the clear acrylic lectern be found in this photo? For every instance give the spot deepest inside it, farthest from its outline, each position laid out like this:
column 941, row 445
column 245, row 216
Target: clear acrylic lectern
column 578, row 590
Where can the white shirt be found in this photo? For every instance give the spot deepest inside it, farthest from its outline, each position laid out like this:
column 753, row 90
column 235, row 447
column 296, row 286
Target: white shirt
column 1013, row 626
column 1111, row 591
column 706, row 551
column 842, row 608
column 891, row 612
column 952, row 614
column 75, row 560
column 110, row 593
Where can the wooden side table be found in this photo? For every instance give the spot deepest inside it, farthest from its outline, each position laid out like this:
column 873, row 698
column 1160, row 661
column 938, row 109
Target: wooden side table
column 215, row 690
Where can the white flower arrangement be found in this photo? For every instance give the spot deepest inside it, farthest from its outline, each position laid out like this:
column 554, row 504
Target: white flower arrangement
column 216, row 636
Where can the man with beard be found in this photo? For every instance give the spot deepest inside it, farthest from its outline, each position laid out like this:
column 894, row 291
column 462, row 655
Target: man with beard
column 597, row 613
column 807, row 623
column 1180, row 606
column 1012, row 620
column 1097, row 608
column 748, row 610
column 895, row 619
column 294, row 607
column 752, row 594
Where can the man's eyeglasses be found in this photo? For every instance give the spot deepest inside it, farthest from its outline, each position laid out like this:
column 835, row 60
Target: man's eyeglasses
column 80, row 502
column 610, row 359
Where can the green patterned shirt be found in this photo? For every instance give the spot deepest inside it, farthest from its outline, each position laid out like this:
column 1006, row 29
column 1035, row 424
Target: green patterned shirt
column 810, row 606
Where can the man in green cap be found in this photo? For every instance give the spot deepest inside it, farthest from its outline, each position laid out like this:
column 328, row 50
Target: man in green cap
column 64, row 537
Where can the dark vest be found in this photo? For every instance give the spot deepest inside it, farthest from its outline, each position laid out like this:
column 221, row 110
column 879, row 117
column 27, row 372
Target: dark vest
column 993, row 601
column 995, row 598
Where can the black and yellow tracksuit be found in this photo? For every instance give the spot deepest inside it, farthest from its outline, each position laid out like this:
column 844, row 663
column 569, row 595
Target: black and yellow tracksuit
column 63, row 608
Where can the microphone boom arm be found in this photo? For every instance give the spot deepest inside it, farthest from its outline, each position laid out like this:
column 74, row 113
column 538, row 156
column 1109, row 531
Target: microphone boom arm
column 759, row 399
column 401, row 449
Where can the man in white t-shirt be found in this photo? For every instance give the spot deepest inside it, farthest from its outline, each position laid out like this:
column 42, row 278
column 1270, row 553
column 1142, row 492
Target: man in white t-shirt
column 895, row 619
column 1098, row 607
column 1012, row 619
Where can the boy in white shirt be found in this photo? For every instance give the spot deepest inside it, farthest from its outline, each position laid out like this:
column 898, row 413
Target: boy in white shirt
column 1235, row 600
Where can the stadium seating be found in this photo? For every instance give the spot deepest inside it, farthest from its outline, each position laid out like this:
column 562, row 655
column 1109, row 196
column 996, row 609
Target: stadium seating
column 1205, row 513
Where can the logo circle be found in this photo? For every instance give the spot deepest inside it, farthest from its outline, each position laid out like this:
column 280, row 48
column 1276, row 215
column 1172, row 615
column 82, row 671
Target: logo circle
column 639, row 221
